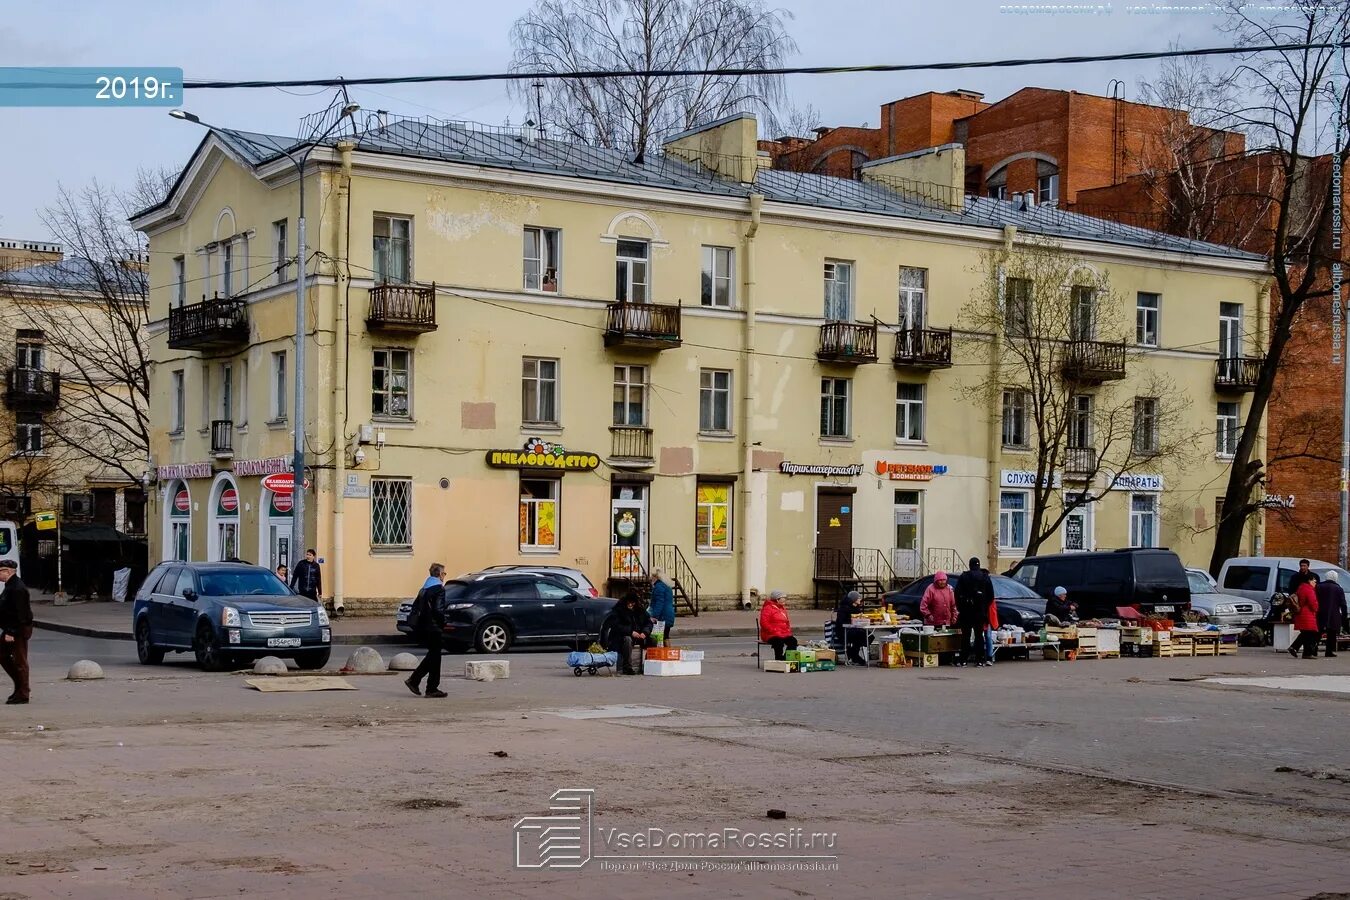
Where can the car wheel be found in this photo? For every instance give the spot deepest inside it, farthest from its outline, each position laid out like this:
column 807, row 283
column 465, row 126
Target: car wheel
column 146, row 651
column 313, row 659
column 207, row 648
column 494, row 636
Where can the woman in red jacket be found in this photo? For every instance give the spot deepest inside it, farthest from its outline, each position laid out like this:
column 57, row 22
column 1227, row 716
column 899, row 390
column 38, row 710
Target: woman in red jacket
column 938, row 606
column 1305, row 620
column 774, row 627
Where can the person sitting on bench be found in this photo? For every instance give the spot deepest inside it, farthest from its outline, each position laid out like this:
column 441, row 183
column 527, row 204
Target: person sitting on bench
column 852, row 639
column 774, row 627
column 631, row 629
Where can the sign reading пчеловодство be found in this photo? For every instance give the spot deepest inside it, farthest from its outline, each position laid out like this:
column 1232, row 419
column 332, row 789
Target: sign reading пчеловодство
column 541, row 454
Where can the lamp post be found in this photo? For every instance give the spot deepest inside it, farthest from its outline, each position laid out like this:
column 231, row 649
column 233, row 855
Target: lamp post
column 302, row 258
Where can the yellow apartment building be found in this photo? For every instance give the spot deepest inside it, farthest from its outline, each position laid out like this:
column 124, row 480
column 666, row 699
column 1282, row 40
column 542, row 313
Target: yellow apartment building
column 521, row 350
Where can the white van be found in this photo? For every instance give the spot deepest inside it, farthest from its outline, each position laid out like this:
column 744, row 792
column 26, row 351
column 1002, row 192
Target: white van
column 9, row 543
column 1261, row 577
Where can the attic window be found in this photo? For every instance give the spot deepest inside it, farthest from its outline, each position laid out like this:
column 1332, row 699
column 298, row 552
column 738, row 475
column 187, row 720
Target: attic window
column 997, row 185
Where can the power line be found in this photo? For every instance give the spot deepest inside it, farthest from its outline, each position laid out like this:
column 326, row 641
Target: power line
column 777, row 70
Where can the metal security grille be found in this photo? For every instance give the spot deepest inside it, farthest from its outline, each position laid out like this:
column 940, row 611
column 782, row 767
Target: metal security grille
column 391, row 512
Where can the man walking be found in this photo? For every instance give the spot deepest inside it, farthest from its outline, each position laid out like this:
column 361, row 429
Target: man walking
column 1330, row 609
column 307, row 580
column 974, row 594
column 16, row 628
column 428, row 623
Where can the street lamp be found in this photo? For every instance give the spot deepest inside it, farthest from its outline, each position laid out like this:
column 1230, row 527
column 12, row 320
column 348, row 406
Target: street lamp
column 302, row 257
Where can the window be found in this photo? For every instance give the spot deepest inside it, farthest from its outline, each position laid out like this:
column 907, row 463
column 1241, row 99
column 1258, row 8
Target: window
column 909, row 412
column 539, row 514
column 1017, row 307
column 913, row 297
column 206, row 396
column 29, row 349
column 718, row 272
column 1080, row 421
column 1015, row 426
column 1143, row 520
column 630, row 395
column 393, row 250
column 998, row 191
column 27, row 432
column 1047, row 187
column 1230, row 330
column 712, row 517
column 542, row 259
column 714, row 400
column 1083, row 314
column 1078, row 523
column 834, row 412
column 178, row 390
column 630, row 272
column 997, row 185
column 390, row 512
column 391, row 384
column 226, row 390
column 539, row 391
column 1012, row 520
column 279, row 248
column 179, row 282
column 1246, row 578
column 242, row 417
column 1146, row 319
column 838, row 291
column 227, row 271
column 1227, row 430
column 278, row 385
column 1145, row 425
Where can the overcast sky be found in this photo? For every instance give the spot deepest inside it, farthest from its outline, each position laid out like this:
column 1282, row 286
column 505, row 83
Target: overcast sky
column 43, row 148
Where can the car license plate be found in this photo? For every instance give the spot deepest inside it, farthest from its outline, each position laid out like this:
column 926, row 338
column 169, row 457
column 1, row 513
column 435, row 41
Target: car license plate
column 283, row 642
column 1164, row 609
column 401, row 616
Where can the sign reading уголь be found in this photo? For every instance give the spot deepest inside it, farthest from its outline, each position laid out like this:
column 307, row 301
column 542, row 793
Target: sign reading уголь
column 540, row 454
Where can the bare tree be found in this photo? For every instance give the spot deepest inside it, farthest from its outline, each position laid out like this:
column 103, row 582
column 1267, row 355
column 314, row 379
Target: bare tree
column 1058, row 372
column 558, row 36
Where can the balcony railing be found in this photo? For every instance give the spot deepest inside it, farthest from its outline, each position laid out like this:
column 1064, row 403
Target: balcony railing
column 642, row 326
column 1089, row 362
column 923, row 348
column 630, row 444
column 1080, row 460
column 849, row 343
column 215, row 324
column 222, row 437
column 32, row 389
column 1237, row 374
column 406, row 308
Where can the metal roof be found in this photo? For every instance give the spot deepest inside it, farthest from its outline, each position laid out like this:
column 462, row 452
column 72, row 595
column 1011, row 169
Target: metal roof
column 78, row 274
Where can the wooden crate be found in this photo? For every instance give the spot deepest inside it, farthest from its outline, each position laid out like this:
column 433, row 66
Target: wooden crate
column 1061, row 652
column 1228, row 648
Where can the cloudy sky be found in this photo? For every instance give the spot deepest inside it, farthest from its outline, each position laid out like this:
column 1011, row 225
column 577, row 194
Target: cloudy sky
column 41, row 149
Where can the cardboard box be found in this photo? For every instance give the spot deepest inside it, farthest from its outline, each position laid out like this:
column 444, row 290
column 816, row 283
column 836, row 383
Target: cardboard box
column 668, row 667
column 826, row 656
column 891, row 655
column 793, row 656
column 691, row 655
column 922, row 660
column 779, row 665
column 663, row 653
column 828, row 665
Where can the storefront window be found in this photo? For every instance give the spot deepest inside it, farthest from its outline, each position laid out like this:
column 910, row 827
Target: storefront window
column 1143, row 520
column 1012, row 520
column 713, row 517
column 539, row 514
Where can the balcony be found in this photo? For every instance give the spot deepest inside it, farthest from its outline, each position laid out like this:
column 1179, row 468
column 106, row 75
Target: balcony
column 1092, row 362
column 1080, row 461
column 923, row 348
column 642, row 326
column 847, row 343
column 32, row 389
column 402, row 308
column 1237, row 375
column 222, row 438
column 220, row 323
column 631, row 446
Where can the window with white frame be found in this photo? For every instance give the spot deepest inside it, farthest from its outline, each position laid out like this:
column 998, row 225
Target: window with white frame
column 1143, row 520
column 630, row 272
column 1147, row 308
column 909, row 412
column 1047, row 183
column 227, row 270
column 178, row 391
column 1016, row 418
column 630, row 395
column 390, row 513
column 1145, row 437
column 242, row 417
column 179, row 282
column 539, row 514
column 997, row 185
column 392, row 249
column 838, row 291
column 714, row 401
column 280, row 249
column 205, row 369
column 1080, row 421
column 27, row 432
column 278, row 399
column 543, row 259
column 1012, row 520
column 718, row 285
column 1017, row 307
column 391, row 383
column 1083, row 313
column 1227, row 430
column 226, row 390
column 834, row 407
column 539, row 391
column 30, row 349
column 913, row 298
column 712, row 517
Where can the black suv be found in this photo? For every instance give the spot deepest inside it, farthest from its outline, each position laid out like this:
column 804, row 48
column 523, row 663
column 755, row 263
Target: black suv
column 1151, row 581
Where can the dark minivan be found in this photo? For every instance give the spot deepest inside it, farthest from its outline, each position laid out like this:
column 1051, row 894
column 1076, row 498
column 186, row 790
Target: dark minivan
column 1151, row 581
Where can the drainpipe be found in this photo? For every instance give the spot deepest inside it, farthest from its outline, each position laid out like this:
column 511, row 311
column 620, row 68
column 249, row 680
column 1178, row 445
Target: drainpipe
column 340, row 338
column 748, row 398
column 994, row 448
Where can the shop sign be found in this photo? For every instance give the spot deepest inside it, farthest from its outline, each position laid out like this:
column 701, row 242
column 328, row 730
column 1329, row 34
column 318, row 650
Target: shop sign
column 282, row 504
column 909, row 471
column 792, row 468
column 182, row 504
column 1015, row 478
column 270, row 466
column 541, row 454
column 354, row 489
column 185, row 470
column 279, row 483
column 1126, row 481
column 228, row 504
column 1277, row 502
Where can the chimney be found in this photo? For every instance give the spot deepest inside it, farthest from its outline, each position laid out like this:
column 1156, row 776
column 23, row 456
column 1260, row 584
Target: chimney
column 935, row 175
column 729, row 147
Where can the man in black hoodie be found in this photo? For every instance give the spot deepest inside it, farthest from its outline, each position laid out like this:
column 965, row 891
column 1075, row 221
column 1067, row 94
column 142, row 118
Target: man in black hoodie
column 16, row 627
column 630, row 629
column 974, row 593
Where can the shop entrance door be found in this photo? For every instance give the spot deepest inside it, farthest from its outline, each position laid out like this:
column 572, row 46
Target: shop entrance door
column 628, row 531
column 908, row 549
column 834, row 533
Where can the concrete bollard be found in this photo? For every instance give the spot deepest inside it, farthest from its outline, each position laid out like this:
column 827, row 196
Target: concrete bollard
column 487, row 669
column 85, row 670
column 403, row 662
column 365, row 661
column 270, row 665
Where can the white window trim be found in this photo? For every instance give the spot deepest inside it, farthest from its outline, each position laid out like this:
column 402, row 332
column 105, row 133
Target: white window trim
column 708, row 549
column 1156, row 513
column 626, row 263
column 713, row 391
column 179, row 299
column 178, row 392
column 556, row 499
column 544, row 261
column 412, row 237
column 1156, row 310
column 1236, row 434
column 921, row 403
column 848, row 407
column 281, row 244
column 730, row 275
column 1089, row 527
column 628, row 384
column 278, row 410
column 1025, row 416
column 556, row 421
column 849, row 300
column 394, row 417
column 1024, row 512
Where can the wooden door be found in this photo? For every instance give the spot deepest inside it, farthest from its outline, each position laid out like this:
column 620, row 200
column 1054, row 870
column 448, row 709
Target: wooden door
column 834, row 532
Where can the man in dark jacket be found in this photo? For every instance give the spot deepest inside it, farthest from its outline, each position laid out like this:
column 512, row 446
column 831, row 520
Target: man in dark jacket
column 853, row 639
column 16, row 627
column 974, row 593
column 1330, row 609
column 429, row 618
column 307, row 579
column 630, row 629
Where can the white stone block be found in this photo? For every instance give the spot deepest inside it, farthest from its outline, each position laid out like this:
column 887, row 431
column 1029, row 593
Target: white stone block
column 85, row 670
column 487, row 669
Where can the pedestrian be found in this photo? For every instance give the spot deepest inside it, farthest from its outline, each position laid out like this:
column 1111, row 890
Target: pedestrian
column 282, row 574
column 435, row 576
column 16, row 628
column 427, row 620
column 662, row 608
column 1331, row 612
column 632, row 626
column 938, row 606
column 1305, row 619
column 1059, row 609
column 993, row 627
column 853, row 639
column 974, row 594
column 308, row 579
column 775, row 629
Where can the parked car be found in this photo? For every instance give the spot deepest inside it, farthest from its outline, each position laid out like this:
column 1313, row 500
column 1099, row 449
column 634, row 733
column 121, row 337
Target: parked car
column 1016, row 603
column 493, row 610
column 224, row 613
column 575, row 576
column 1219, row 608
column 1260, row 578
column 1153, row 581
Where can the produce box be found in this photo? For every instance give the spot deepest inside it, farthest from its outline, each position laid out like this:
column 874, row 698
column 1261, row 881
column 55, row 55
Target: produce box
column 922, row 660
column 940, row 643
column 826, row 656
column 826, row 665
column 911, row 641
column 779, row 665
column 793, row 656
column 691, row 655
column 668, row 667
column 663, row 653
column 890, row 655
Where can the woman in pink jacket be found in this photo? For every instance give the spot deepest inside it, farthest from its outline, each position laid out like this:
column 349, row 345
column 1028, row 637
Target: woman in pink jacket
column 938, row 606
